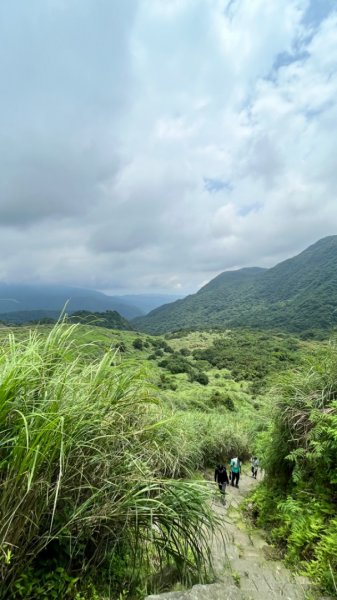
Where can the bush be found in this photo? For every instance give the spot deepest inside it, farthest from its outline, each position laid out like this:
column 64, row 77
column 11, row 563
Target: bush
column 185, row 351
column 219, row 400
column 176, row 364
column 138, row 344
column 201, row 378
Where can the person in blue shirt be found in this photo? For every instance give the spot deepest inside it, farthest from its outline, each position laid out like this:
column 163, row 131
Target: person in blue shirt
column 235, row 471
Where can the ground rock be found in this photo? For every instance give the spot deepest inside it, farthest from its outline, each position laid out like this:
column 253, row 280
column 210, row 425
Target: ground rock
column 214, row 591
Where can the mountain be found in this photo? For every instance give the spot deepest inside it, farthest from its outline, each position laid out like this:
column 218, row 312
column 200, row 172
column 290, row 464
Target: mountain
column 18, row 298
column 29, row 316
column 298, row 294
column 110, row 319
column 147, row 302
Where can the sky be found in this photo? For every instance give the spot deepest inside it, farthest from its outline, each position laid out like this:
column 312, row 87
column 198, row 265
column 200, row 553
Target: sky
column 148, row 145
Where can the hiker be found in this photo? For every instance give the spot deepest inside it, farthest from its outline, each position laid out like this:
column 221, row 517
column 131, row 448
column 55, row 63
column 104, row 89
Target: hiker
column 255, row 466
column 220, row 475
column 252, row 464
column 235, row 470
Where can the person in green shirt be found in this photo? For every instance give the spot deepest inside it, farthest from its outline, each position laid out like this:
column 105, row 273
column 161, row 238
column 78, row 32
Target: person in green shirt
column 235, row 470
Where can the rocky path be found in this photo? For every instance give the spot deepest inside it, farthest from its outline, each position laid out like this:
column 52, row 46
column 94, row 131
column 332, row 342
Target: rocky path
column 244, row 563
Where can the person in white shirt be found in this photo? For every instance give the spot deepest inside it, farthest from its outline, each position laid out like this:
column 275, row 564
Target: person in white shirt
column 255, row 466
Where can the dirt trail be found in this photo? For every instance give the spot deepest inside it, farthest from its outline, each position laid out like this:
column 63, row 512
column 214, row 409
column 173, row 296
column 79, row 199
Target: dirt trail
column 244, row 563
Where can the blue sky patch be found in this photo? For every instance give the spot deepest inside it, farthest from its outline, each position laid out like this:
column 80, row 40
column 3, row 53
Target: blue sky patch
column 216, row 185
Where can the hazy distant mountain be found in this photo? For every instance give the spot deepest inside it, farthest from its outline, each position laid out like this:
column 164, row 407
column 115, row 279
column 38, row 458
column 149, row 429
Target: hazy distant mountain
column 148, row 302
column 18, row 298
column 110, row 319
column 29, row 316
column 297, row 294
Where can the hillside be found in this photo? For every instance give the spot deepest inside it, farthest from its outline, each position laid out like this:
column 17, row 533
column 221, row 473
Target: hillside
column 110, row 319
column 297, row 295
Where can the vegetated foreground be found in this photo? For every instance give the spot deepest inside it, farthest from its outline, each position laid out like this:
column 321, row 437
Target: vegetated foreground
column 102, row 435
column 95, row 473
column 297, row 501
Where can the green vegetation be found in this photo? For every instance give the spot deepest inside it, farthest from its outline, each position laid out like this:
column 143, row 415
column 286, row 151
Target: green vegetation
column 104, row 434
column 298, row 295
column 250, row 356
column 297, row 500
column 89, row 461
column 110, row 319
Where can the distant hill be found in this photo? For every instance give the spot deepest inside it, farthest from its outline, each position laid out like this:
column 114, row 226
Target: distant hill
column 110, row 319
column 147, row 302
column 298, row 294
column 19, row 298
column 29, row 316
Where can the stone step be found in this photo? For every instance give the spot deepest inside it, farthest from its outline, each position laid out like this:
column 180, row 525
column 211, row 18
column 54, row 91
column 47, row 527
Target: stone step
column 168, row 596
column 213, row 591
column 246, row 566
column 274, row 595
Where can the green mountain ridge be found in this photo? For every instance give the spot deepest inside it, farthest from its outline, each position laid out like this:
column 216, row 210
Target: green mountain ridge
column 297, row 294
column 110, row 319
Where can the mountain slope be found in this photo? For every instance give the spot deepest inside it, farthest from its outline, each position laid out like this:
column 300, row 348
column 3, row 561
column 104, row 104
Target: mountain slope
column 298, row 294
column 110, row 319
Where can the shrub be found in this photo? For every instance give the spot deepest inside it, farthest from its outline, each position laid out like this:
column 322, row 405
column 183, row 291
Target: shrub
column 185, row 351
column 201, row 378
column 219, row 400
column 176, row 364
column 138, row 344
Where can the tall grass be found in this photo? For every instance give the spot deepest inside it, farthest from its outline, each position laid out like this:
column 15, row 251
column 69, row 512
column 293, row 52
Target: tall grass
column 84, row 466
column 299, row 495
column 193, row 440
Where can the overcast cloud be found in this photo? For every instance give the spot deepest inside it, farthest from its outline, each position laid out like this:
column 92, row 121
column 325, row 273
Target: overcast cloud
column 147, row 145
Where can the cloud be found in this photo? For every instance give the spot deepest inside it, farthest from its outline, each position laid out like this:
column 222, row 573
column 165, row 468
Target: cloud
column 148, row 145
column 65, row 78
